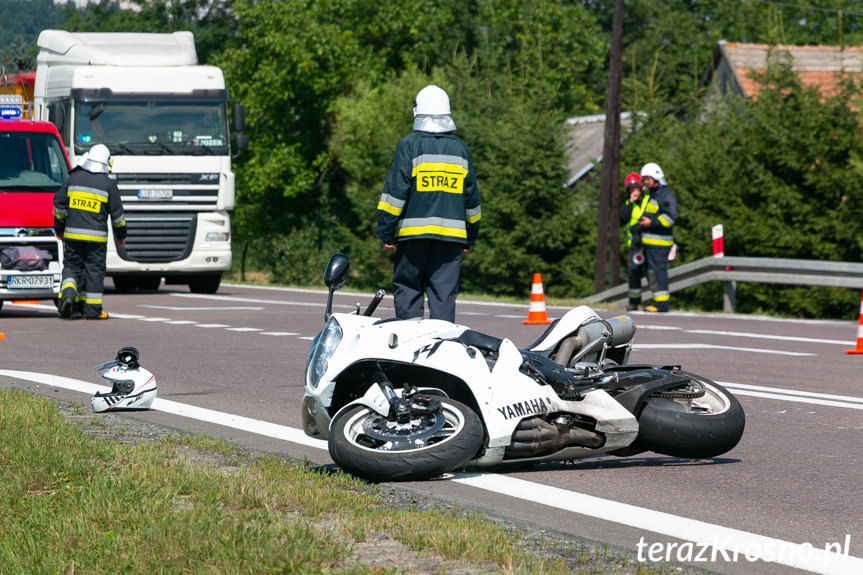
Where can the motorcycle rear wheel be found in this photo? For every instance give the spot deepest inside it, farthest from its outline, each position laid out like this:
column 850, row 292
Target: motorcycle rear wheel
column 368, row 445
column 691, row 427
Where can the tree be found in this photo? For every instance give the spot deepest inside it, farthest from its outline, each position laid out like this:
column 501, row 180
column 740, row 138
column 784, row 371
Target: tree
column 22, row 22
column 211, row 21
column 328, row 86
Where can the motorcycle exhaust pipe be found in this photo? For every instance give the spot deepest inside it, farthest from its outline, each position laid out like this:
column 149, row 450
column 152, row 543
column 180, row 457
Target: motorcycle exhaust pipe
column 614, row 331
column 535, row 437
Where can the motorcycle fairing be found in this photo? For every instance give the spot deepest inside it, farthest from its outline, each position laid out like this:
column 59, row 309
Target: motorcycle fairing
column 618, row 425
column 565, row 326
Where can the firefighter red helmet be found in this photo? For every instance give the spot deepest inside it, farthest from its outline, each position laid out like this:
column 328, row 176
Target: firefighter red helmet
column 632, row 180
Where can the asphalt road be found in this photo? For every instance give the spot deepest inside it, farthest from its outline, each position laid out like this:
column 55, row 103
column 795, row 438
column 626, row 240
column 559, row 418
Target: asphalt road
column 793, row 485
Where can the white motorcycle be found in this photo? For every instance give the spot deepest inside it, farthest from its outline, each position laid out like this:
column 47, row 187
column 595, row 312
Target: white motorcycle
column 412, row 399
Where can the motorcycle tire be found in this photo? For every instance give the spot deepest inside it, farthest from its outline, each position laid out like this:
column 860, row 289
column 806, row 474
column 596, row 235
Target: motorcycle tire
column 693, row 428
column 366, row 444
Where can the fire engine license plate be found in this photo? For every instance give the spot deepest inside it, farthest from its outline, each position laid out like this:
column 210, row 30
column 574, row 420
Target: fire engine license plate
column 149, row 194
column 30, row 281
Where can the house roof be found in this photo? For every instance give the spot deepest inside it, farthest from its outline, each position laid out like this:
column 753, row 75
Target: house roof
column 821, row 66
column 585, row 142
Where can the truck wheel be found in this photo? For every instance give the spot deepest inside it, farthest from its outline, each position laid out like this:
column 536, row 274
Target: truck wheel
column 149, row 283
column 208, row 283
column 124, row 283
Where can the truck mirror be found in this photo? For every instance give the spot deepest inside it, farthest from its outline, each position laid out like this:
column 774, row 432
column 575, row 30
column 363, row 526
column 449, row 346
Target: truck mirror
column 95, row 111
column 57, row 114
column 241, row 143
column 238, row 117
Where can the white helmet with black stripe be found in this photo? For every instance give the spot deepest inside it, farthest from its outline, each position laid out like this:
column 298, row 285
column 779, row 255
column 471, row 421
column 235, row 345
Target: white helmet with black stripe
column 132, row 386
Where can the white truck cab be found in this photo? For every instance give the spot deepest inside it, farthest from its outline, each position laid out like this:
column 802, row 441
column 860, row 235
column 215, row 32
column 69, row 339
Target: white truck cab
column 165, row 119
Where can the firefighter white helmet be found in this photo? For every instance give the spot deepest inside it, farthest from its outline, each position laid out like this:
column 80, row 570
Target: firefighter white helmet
column 432, row 111
column 97, row 160
column 133, row 387
column 651, row 170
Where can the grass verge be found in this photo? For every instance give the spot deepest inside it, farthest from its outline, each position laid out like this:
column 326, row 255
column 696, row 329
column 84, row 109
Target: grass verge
column 73, row 501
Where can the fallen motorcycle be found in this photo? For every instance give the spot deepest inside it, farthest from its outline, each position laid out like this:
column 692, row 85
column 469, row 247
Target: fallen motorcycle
column 413, row 399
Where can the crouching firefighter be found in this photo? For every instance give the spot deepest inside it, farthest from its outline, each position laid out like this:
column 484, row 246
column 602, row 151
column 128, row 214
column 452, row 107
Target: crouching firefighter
column 81, row 210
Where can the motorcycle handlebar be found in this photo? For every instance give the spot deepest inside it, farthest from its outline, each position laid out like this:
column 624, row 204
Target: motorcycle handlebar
column 379, row 295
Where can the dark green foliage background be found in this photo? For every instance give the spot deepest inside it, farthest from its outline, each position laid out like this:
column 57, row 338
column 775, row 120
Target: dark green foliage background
column 328, row 87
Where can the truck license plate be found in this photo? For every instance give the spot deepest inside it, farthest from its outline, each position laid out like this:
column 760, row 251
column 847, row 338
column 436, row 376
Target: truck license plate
column 30, row 281
column 151, row 194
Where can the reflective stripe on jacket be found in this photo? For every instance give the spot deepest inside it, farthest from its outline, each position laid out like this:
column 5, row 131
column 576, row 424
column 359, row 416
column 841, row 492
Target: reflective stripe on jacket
column 430, row 191
column 82, row 207
column 630, row 214
column 662, row 211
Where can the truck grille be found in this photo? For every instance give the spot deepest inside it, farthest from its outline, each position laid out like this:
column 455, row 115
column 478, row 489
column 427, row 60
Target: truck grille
column 158, row 236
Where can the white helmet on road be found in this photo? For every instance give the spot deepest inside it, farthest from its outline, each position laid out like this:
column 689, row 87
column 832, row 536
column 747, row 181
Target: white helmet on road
column 651, row 170
column 432, row 111
column 97, row 160
column 132, row 386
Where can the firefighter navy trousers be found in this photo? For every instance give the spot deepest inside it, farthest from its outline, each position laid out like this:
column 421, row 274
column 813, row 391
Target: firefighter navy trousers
column 426, row 266
column 84, row 275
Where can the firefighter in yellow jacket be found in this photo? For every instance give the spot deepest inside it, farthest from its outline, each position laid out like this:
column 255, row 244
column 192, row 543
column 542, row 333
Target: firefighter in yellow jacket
column 429, row 210
column 657, row 235
column 81, row 210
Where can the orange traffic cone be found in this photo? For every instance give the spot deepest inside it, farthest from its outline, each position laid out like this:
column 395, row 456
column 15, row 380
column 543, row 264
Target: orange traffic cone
column 536, row 312
column 859, row 348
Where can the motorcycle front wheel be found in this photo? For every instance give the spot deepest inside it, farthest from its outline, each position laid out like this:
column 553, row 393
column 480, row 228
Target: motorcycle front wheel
column 368, row 445
column 698, row 420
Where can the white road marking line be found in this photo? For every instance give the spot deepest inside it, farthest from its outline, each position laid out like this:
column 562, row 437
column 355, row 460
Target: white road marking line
column 727, row 539
column 192, row 412
column 255, row 300
column 711, row 346
column 635, row 346
column 744, row 386
column 809, row 400
column 388, row 297
column 709, row 535
column 242, row 329
column 211, row 325
column 204, row 308
column 764, row 336
column 181, row 322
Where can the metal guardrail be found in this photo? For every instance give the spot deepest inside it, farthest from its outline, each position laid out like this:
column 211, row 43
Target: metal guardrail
column 756, row 270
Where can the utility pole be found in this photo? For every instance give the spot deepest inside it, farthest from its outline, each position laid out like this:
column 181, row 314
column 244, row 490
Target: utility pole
column 607, row 235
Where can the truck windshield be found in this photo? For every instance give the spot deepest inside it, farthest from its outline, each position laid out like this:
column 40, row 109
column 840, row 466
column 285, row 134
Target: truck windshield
column 31, row 161
column 152, row 128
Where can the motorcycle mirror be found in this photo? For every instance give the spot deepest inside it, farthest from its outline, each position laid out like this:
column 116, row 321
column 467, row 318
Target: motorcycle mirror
column 336, row 271
column 334, row 276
